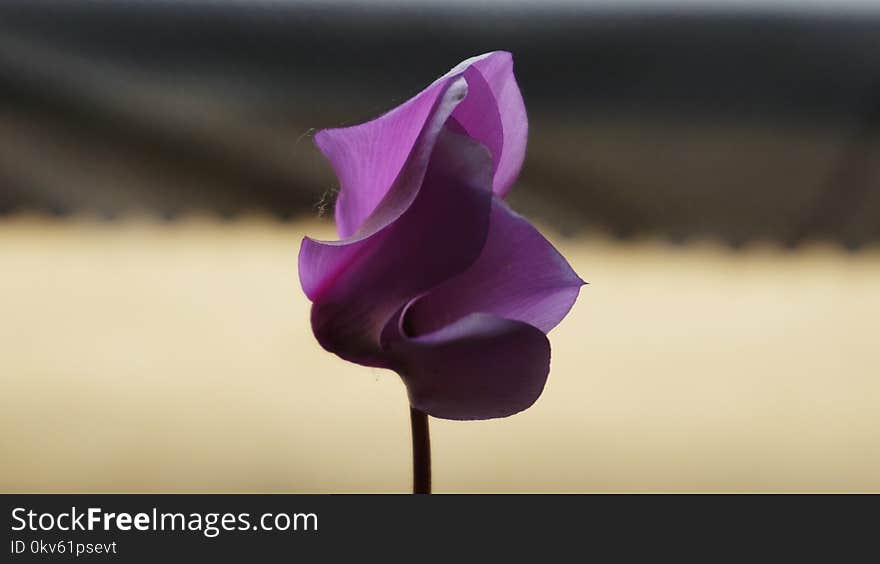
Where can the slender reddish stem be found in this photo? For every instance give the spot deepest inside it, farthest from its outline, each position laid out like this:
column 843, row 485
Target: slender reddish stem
column 421, row 448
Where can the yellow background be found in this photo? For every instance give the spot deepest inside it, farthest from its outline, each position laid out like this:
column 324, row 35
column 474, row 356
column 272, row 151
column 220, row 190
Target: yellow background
column 147, row 356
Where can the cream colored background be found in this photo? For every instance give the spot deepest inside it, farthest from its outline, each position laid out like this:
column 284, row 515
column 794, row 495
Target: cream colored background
column 141, row 356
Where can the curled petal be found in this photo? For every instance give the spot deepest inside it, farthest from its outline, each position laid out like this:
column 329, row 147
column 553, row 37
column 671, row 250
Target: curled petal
column 371, row 157
column 364, row 282
column 519, row 275
column 321, row 262
column 494, row 114
column 480, row 367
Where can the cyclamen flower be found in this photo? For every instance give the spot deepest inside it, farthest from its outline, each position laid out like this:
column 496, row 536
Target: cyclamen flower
column 434, row 276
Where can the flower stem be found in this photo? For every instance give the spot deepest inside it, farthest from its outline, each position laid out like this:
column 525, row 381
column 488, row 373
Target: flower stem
column 421, row 448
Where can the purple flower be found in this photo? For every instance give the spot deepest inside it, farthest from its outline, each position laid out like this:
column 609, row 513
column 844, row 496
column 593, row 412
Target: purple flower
column 434, row 276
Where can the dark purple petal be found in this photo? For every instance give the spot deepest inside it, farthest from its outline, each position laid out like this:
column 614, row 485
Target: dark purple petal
column 494, row 114
column 479, row 367
column 477, row 116
column 356, row 286
column 519, row 275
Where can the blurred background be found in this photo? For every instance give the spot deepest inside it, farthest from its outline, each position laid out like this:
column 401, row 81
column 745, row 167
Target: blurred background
column 710, row 168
